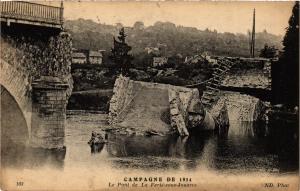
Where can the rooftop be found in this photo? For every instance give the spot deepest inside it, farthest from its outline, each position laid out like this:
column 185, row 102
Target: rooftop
column 95, row 53
column 78, row 55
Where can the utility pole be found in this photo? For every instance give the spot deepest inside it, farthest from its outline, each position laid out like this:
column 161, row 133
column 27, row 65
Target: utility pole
column 61, row 16
column 252, row 47
column 249, row 43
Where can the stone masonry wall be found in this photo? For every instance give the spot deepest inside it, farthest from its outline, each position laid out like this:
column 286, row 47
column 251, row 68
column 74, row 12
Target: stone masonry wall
column 122, row 94
column 39, row 58
column 180, row 98
column 242, row 107
column 47, row 62
column 17, row 82
column 49, row 114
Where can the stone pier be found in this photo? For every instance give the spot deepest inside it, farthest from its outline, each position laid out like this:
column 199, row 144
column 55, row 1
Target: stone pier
column 49, row 113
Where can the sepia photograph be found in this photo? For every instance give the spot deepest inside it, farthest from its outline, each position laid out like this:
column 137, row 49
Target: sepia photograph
column 149, row 95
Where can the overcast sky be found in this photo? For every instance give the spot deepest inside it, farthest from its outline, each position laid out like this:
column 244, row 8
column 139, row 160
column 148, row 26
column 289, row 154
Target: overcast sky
column 235, row 17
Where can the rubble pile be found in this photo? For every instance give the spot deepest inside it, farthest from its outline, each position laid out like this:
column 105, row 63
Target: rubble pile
column 243, row 107
column 161, row 108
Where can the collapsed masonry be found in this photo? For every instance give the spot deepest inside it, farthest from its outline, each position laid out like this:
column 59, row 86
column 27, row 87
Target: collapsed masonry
column 162, row 109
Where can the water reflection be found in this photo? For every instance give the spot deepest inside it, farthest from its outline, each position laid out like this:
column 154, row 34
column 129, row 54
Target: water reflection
column 247, row 147
column 159, row 152
column 96, row 148
column 14, row 139
column 21, row 156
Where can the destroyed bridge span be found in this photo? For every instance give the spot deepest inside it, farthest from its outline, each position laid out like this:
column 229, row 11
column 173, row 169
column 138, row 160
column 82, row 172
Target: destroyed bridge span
column 152, row 108
column 162, row 108
column 251, row 76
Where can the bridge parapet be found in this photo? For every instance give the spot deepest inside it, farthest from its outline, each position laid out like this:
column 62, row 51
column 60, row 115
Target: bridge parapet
column 31, row 13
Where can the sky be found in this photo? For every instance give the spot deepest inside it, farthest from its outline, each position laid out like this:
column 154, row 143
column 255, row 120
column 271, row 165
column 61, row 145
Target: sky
column 234, row 17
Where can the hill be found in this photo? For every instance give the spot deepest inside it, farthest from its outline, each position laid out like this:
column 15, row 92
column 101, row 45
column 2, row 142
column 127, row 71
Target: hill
column 186, row 41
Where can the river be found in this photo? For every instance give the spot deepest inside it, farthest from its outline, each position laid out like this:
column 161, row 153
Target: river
column 247, row 149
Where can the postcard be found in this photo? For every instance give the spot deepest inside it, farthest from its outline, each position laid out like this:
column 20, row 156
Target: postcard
column 149, row 95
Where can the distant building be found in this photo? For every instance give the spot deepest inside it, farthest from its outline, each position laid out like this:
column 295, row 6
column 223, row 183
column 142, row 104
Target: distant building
column 159, row 50
column 95, row 57
column 87, row 57
column 152, row 50
column 159, row 61
column 79, row 58
column 200, row 59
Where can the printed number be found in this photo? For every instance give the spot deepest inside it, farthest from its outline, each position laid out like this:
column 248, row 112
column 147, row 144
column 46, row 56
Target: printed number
column 20, row 183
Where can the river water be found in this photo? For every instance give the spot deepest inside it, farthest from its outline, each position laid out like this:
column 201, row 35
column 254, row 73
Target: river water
column 248, row 148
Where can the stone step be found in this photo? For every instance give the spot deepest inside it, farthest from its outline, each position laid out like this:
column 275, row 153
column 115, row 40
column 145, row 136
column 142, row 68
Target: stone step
column 206, row 97
column 219, row 69
column 209, row 93
column 216, row 76
column 224, row 66
column 228, row 64
column 206, row 104
column 211, row 88
column 212, row 84
column 216, row 81
column 218, row 72
column 209, row 97
column 207, row 101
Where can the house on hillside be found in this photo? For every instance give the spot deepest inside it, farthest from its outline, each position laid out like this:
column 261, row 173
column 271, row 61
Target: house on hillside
column 200, row 59
column 95, row 57
column 194, row 59
column 79, row 58
column 159, row 50
column 86, row 56
column 152, row 50
column 159, row 61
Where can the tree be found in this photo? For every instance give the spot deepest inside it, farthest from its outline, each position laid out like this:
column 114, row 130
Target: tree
column 285, row 73
column 268, row 51
column 119, row 53
column 139, row 25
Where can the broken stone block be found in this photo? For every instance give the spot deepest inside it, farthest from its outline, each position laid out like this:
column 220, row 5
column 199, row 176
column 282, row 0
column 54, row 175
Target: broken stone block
column 177, row 114
column 143, row 106
column 195, row 120
column 96, row 138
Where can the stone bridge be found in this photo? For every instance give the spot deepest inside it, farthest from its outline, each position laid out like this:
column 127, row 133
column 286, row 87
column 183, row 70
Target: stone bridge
column 35, row 74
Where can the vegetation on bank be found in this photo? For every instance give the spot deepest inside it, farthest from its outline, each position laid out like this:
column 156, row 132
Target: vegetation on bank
column 177, row 43
column 285, row 72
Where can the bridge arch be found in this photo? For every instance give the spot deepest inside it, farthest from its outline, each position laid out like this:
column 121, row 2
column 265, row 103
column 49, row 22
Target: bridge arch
column 16, row 82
